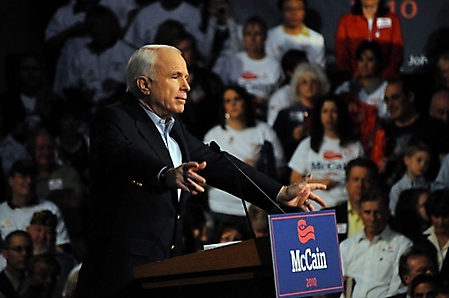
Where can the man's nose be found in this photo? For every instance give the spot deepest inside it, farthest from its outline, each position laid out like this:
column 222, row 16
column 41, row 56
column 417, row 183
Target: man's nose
column 185, row 86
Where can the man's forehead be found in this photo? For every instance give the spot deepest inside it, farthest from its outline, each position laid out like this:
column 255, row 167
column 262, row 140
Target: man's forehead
column 394, row 87
column 357, row 171
column 372, row 205
column 18, row 239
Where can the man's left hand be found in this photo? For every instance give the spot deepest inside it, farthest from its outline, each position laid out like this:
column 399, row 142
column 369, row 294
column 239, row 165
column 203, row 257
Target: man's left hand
column 299, row 195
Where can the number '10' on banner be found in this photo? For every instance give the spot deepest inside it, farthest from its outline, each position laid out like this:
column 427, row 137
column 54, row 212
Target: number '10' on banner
column 305, row 251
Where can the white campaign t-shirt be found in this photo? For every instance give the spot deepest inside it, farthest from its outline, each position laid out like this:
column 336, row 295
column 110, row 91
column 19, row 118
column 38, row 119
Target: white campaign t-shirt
column 329, row 163
column 279, row 42
column 243, row 144
column 259, row 77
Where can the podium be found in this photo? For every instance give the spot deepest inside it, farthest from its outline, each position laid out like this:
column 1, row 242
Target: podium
column 243, row 269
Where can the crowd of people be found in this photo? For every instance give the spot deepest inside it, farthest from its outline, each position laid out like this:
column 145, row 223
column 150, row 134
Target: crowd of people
column 264, row 95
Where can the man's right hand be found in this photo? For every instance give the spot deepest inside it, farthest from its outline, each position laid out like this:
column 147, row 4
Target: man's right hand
column 186, row 177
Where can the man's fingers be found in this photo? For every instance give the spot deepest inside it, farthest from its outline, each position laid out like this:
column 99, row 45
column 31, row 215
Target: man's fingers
column 193, row 186
column 314, row 186
column 317, row 199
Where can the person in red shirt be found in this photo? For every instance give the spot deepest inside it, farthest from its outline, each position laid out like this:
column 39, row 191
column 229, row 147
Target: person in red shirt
column 369, row 20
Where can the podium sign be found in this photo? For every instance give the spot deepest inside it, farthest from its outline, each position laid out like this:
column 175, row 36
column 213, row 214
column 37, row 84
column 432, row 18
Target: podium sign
column 305, row 252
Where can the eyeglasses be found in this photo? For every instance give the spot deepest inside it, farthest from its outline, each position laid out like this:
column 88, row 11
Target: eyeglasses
column 20, row 249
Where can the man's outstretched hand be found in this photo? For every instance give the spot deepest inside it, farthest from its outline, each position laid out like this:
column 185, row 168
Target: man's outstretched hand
column 299, row 195
column 186, row 177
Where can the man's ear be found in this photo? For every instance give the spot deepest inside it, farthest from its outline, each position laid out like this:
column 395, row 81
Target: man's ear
column 144, row 85
column 406, row 278
column 406, row 160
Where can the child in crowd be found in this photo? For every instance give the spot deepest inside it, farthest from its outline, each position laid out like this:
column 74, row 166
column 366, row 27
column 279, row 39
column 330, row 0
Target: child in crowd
column 416, row 160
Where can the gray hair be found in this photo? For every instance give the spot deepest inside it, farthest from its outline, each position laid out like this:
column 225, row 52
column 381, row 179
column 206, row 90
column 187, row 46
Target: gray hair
column 308, row 69
column 142, row 62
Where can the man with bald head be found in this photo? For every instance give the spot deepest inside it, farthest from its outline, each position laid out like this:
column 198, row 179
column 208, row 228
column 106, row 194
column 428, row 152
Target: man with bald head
column 144, row 164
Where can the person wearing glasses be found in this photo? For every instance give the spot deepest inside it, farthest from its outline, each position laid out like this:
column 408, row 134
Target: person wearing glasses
column 17, row 250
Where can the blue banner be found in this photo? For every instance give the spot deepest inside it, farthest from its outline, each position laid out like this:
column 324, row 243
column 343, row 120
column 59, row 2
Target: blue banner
column 306, row 257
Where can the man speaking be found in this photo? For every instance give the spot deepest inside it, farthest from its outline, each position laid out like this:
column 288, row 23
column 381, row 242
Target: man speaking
column 143, row 166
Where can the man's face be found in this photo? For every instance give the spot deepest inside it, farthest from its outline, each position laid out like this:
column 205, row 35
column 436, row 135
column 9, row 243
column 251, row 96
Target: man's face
column 169, row 87
column 254, row 38
column 18, row 253
column 424, row 290
column 21, row 185
column 418, row 265
column 374, row 216
column 439, row 107
column 358, row 184
column 43, row 238
column 293, row 13
column 44, row 153
column 396, row 99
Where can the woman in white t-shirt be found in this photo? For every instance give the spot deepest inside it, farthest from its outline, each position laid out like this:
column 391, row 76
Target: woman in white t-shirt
column 328, row 149
column 240, row 134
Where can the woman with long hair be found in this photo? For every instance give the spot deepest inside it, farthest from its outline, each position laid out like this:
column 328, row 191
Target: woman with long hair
column 242, row 135
column 325, row 153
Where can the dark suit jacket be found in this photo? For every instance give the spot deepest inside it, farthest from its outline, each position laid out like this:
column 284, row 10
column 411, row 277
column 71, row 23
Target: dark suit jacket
column 341, row 216
column 134, row 219
column 6, row 287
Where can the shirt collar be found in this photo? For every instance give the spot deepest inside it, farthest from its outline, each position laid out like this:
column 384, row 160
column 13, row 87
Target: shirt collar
column 351, row 210
column 304, row 31
column 33, row 201
column 385, row 234
column 163, row 125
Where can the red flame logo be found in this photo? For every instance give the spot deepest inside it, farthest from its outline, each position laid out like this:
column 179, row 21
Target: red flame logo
column 249, row 75
column 305, row 233
column 332, row 155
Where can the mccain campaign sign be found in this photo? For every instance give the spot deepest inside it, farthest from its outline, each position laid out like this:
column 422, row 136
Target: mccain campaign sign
column 305, row 251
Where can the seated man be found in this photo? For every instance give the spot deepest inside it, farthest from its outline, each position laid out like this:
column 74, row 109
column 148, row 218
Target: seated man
column 371, row 257
column 42, row 230
column 361, row 177
column 414, row 262
column 17, row 250
column 17, row 211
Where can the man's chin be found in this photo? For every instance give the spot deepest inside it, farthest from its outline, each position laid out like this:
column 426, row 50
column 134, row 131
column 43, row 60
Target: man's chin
column 40, row 251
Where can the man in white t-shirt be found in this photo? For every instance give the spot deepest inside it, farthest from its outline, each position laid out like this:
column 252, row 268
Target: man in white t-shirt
column 294, row 34
column 144, row 27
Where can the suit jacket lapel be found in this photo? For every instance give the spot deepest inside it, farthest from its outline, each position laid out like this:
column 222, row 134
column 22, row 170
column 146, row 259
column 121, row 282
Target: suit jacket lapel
column 154, row 139
column 147, row 128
